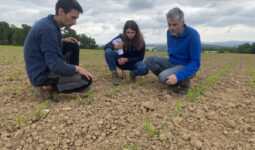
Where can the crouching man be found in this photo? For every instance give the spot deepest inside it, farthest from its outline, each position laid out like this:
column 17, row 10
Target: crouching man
column 184, row 51
column 52, row 63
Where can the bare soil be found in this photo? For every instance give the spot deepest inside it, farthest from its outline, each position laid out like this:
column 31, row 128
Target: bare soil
column 222, row 118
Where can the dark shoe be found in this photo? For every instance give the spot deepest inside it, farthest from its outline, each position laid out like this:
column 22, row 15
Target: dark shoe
column 184, row 86
column 123, row 75
column 115, row 79
column 53, row 100
column 84, row 90
column 157, row 72
column 132, row 77
column 172, row 89
column 41, row 93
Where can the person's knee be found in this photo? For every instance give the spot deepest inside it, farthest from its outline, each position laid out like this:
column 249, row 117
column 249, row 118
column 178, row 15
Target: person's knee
column 144, row 69
column 149, row 60
column 108, row 52
column 162, row 77
column 89, row 81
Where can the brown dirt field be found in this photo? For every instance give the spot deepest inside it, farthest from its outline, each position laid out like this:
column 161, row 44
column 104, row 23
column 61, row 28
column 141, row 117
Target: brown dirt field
column 222, row 118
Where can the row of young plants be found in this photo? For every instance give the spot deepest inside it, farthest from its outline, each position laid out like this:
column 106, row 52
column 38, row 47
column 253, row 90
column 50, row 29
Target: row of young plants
column 37, row 114
column 197, row 90
column 252, row 71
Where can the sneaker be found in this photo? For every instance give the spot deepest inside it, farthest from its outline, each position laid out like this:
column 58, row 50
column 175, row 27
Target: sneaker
column 184, row 86
column 132, row 77
column 115, row 79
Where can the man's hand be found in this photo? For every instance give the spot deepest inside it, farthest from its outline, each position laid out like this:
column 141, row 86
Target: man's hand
column 84, row 72
column 122, row 61
column 171, row 80
column 119, row 46
column 70, row 40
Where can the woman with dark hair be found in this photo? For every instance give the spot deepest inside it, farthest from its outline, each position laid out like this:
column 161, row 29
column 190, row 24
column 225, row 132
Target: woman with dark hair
column 126, row 51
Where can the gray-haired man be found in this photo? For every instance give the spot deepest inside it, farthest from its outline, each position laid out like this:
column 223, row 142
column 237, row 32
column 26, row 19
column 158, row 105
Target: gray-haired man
column 184, row 51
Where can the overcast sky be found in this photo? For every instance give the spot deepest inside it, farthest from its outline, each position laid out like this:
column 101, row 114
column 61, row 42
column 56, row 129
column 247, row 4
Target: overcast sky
column 215, row 20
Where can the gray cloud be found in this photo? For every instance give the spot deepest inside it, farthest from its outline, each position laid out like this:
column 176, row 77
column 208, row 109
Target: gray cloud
column 103, row 20
column 140, row 4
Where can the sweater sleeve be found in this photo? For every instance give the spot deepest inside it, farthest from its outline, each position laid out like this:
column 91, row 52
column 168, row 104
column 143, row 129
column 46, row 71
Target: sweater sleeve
column 194, row 64
column 53, row 54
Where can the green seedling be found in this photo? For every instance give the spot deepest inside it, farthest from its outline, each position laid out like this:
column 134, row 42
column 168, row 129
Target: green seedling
column 13, row 75
column 153, row 134
column 38, row 113
column 40, row 109
column 18, row 121
column 148, row 127
column 16, row 90
column 142, row 82
column 134, row 85
column 104, row 73
column 10, row 76
column 159, row 131
column 111, row 93
column 153, row 108
column 133, row 146
column 88, row 99
column 177, row 109
column 118, row 88
column 80, row 100
column 1, row 121
column 196, row 91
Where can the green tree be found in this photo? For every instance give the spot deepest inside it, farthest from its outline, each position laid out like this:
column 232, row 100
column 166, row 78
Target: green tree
column 20, row 34
column 68, row 32
column 4, row 28
column 244, row 48
column 87, row 42
column 11, row 32
column 253, row 48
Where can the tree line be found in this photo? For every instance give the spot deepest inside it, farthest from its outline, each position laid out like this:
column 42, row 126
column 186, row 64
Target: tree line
column 245, row 48
column 12, row 35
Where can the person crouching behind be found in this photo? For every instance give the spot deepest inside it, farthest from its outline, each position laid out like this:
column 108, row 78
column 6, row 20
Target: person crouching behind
column 126, row 51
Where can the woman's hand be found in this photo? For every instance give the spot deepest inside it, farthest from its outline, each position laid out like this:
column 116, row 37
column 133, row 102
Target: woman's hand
column 119, row 46
column 122, row 61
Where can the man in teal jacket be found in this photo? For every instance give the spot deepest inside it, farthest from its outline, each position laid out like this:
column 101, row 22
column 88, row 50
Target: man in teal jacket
column 52, row 62
column 184, row 51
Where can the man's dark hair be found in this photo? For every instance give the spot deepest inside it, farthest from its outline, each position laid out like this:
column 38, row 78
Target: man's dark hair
column 68, row 5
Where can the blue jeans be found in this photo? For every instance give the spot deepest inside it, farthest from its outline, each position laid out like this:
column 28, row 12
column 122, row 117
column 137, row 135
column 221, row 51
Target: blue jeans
column 155, row 62
column 111, row 57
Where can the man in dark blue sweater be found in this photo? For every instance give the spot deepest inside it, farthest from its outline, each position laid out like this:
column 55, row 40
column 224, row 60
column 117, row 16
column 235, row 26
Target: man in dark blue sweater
column 51, row 62
column 184, row 51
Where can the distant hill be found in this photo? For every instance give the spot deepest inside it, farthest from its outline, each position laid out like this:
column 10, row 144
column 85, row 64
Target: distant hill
column 211, row 45
column 228, row 43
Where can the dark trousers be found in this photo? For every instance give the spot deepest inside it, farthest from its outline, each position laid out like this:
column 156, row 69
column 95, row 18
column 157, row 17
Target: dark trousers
column 67, row 84
column 71, row 53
